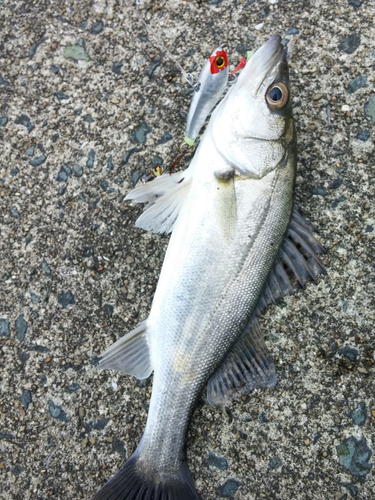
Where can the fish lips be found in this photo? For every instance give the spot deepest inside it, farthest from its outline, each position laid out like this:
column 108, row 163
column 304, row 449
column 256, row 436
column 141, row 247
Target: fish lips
column 269, row 55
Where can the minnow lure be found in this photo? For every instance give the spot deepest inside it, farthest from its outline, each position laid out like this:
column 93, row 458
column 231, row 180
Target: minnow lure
column 210, row 87
column 208, row 90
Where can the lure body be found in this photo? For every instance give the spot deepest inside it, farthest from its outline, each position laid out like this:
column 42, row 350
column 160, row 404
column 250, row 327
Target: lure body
column 210, row 87
column 208, row 90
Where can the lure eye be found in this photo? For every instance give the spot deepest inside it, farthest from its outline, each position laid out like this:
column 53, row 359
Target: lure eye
column 277, row 96
column 220, row 61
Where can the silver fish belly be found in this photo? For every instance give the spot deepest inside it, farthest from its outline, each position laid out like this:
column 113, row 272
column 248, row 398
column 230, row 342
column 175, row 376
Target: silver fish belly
column 234, row 231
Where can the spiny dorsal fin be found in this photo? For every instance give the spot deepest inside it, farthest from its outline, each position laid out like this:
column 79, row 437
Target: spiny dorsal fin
column 130, row 354
column 296, row 264
column 247, row 366
column 164, row 197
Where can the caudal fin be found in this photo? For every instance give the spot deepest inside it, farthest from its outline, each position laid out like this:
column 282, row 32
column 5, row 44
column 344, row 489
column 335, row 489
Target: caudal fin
column 132, row 483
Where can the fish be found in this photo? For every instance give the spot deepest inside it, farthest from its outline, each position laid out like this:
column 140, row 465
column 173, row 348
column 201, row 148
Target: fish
column 238, row 243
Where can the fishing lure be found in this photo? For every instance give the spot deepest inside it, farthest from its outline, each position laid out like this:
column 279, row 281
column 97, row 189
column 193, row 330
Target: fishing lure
column 208, row 90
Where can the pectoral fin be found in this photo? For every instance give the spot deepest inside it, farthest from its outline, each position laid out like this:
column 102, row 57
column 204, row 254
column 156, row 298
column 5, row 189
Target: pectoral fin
column 130, row 354
column 226, row 202
column 247, row 366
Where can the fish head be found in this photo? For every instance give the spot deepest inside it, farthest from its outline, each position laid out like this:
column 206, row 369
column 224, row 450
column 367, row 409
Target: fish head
column 253, row 125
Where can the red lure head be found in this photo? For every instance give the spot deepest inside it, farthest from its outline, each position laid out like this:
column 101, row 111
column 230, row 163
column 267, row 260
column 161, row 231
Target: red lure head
column 218, row 61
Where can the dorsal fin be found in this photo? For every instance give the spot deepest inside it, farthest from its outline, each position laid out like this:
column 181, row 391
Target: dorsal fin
column 248, row 364
column 297, row 262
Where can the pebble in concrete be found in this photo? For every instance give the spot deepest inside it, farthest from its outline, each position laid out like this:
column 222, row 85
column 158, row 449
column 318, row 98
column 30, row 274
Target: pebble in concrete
column 4, row 327
column 66, row 299
column 25, row 121
column 370, row 109
column 57, row 412
column 25, row 398
column 220, row 463
column 38, row 161
column 77, row 170
column 354, row 455
column 21, row 327
column 140, row 134
column 229, row 488
column 359, row 415
column 91, row 158
column 97, row 28
column 77, row 52
column 350, row 43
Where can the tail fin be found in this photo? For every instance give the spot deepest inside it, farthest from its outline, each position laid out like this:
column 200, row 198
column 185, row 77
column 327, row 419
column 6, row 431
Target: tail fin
column 132, row 484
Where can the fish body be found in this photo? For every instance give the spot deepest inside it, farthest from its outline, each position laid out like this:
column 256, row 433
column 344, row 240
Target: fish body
column 208, row 90
column 230, row 212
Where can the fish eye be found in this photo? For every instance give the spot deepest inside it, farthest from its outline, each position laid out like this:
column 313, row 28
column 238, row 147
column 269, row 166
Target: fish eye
column 220, row 61
column 277, row 96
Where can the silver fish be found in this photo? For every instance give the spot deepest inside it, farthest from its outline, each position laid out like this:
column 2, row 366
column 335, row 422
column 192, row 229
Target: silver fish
column 237, row 245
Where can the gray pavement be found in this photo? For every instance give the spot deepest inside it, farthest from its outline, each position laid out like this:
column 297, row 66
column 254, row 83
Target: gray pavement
column 88, row 103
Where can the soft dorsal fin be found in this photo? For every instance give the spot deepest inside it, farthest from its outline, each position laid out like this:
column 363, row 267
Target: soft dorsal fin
column 164, row 196
column 130, row 354
column 247, row 366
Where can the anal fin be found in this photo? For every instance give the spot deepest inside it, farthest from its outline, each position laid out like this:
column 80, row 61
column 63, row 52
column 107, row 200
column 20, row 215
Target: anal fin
column 247, row 366
column 130, row 354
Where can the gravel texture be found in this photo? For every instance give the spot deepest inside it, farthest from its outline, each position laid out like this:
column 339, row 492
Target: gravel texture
column 87, row 100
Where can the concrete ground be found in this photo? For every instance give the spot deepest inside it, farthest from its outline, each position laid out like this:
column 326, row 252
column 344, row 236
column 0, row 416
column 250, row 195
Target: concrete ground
column 88, row 103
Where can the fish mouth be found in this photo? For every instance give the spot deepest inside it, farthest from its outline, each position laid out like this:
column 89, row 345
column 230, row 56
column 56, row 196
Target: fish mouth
column 269, row 55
